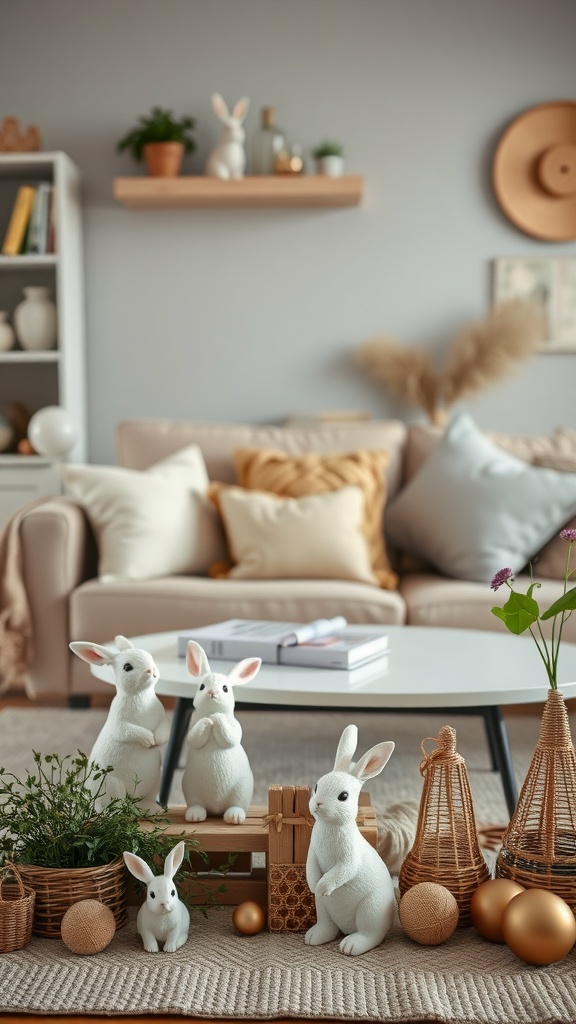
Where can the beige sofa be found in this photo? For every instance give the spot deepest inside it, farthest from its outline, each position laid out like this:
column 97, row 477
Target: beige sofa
column 68, row 601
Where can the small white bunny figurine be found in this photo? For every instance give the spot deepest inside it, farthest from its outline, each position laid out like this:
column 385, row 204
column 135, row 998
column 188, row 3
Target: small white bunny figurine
column 136, row 724
column 353, row 890
column 217, row 778
column 163, row 917
column 228, row 158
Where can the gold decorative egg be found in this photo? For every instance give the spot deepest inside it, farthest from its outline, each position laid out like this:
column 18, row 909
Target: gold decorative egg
column 248, row 918
column 539, row 926
column 488, row 903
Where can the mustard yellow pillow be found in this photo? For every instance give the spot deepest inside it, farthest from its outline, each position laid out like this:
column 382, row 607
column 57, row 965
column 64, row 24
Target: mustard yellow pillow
column 297, row 476
column 316, row 537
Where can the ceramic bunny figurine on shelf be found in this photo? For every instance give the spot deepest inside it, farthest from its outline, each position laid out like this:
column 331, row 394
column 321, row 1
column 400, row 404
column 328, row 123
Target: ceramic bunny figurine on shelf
column 228, row 158
column 163, row 917
column 136, row 725
column 352, row 886
column 217, row 778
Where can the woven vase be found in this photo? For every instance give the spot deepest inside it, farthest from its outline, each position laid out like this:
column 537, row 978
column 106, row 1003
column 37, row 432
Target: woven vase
column 446, row 848
column 539, row 844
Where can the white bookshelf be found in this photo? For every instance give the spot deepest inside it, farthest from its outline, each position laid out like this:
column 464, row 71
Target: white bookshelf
column 58, row 377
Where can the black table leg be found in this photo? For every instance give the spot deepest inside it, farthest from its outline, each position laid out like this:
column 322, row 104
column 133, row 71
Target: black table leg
column 180, row 723
column 500, row 748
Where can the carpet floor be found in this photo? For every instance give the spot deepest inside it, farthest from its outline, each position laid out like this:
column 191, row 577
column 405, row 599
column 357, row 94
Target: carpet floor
column 218, row 974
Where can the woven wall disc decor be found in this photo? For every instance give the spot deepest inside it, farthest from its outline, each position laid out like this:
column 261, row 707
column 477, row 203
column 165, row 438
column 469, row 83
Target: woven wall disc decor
column 534, row 171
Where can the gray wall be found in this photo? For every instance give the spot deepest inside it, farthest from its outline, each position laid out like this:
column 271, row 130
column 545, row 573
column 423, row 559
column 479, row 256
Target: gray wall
column 251, row 315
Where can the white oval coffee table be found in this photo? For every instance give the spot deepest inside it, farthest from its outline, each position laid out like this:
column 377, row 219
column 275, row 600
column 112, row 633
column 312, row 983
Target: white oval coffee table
column 459, row 671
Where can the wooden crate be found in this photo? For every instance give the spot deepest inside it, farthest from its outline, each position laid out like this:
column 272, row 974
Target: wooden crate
column 281, row 832
column 291, row 905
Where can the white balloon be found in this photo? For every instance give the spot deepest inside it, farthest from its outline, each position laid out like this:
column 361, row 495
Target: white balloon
column 51, row 431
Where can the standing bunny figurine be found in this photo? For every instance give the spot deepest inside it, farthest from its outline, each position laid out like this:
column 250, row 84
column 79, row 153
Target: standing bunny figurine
column 136, row 724
column 352, row 886
column 228, row 158
column 163, row 917
column 217, row 778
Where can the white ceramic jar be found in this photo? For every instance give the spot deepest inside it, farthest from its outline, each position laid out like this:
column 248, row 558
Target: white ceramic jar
column 7, row 336
column 35, row 320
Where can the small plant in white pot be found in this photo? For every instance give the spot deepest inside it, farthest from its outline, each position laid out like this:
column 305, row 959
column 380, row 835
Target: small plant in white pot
column 329, row 157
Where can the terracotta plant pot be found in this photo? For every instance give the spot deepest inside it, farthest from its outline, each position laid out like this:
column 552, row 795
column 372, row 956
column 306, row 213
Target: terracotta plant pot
column 163, row 159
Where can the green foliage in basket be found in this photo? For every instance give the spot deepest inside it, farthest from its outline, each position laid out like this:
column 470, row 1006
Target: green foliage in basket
column 51, row 818
column 158, row 126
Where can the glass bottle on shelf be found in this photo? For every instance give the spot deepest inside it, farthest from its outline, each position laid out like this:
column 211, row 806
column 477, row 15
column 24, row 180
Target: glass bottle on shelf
column 267, row 143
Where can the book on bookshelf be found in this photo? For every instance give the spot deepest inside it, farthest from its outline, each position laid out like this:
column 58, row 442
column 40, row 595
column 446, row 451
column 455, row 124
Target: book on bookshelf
column 284, row 643
column 15, row 235
column 37, row 234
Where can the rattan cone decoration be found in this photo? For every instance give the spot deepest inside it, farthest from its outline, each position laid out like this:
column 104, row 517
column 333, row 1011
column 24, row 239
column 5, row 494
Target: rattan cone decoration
column 446, row 848
column 539, row 845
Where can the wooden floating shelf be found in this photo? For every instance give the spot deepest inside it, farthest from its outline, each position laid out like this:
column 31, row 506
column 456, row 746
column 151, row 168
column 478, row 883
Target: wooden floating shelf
column 146, row 193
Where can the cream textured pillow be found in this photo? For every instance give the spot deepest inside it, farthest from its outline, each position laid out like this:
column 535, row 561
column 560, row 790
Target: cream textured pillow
column 153, row 523
column 296, row 476
column 316, row 537
column 473, row 509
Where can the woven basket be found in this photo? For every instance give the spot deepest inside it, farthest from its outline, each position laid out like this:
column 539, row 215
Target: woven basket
column 539, row 844
column 446, row 848
column 16, row 910
column 58, row 888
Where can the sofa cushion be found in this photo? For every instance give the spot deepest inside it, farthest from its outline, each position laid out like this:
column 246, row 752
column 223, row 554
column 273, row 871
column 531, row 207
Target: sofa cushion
column 473, row 509
column 315, row 537
column 433, row 600
column 98, row 611
column 295, row 476
column 140, row 442
column 152, row 523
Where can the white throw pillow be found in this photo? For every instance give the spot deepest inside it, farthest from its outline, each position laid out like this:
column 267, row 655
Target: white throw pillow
column 319, row 536
column 473, row 509
column 152, row 523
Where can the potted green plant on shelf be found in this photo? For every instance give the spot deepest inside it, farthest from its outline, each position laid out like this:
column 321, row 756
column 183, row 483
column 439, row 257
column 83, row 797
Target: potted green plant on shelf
column 160, row 140
column 67, row 850
column 329, row 157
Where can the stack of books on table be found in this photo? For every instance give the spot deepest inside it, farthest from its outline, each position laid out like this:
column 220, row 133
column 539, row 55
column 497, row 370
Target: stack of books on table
column 324, row 643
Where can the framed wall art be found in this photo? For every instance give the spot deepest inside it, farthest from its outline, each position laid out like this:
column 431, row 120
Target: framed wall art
column 549, row 281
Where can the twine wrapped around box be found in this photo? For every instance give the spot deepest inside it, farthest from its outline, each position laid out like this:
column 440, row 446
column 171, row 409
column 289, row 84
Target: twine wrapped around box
column 16, row 910
column 539, row 844
column 446, row 848
column 57, row 889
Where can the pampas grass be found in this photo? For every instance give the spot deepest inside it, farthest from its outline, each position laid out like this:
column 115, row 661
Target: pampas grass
column 481, row 354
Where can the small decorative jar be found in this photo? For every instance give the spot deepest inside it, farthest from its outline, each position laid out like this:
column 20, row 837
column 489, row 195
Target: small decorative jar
column 35, row 320
column 7, row 337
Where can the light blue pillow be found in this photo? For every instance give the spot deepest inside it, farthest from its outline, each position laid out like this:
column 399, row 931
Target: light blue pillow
column 473, row 509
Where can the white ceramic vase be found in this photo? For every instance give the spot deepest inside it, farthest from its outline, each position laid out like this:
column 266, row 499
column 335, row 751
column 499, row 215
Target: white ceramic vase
column 7, row 337
column 35, row 320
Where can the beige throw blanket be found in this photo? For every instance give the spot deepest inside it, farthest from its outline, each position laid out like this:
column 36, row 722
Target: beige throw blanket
column 16, row 647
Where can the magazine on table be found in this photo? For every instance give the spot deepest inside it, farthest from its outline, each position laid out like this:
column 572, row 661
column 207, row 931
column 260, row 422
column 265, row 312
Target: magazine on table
column 324, row 643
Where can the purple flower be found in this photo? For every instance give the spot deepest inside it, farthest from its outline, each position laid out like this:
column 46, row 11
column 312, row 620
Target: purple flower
column 502, row 576
column 569, row 534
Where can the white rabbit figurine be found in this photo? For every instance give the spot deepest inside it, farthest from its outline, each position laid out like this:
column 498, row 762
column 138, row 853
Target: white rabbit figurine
column 228, row 158
column 163, row 917
column 136, row 724
column 217, row 778
column 353, row 890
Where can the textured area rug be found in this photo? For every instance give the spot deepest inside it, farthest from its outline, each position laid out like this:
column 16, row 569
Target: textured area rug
column 220, row 974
